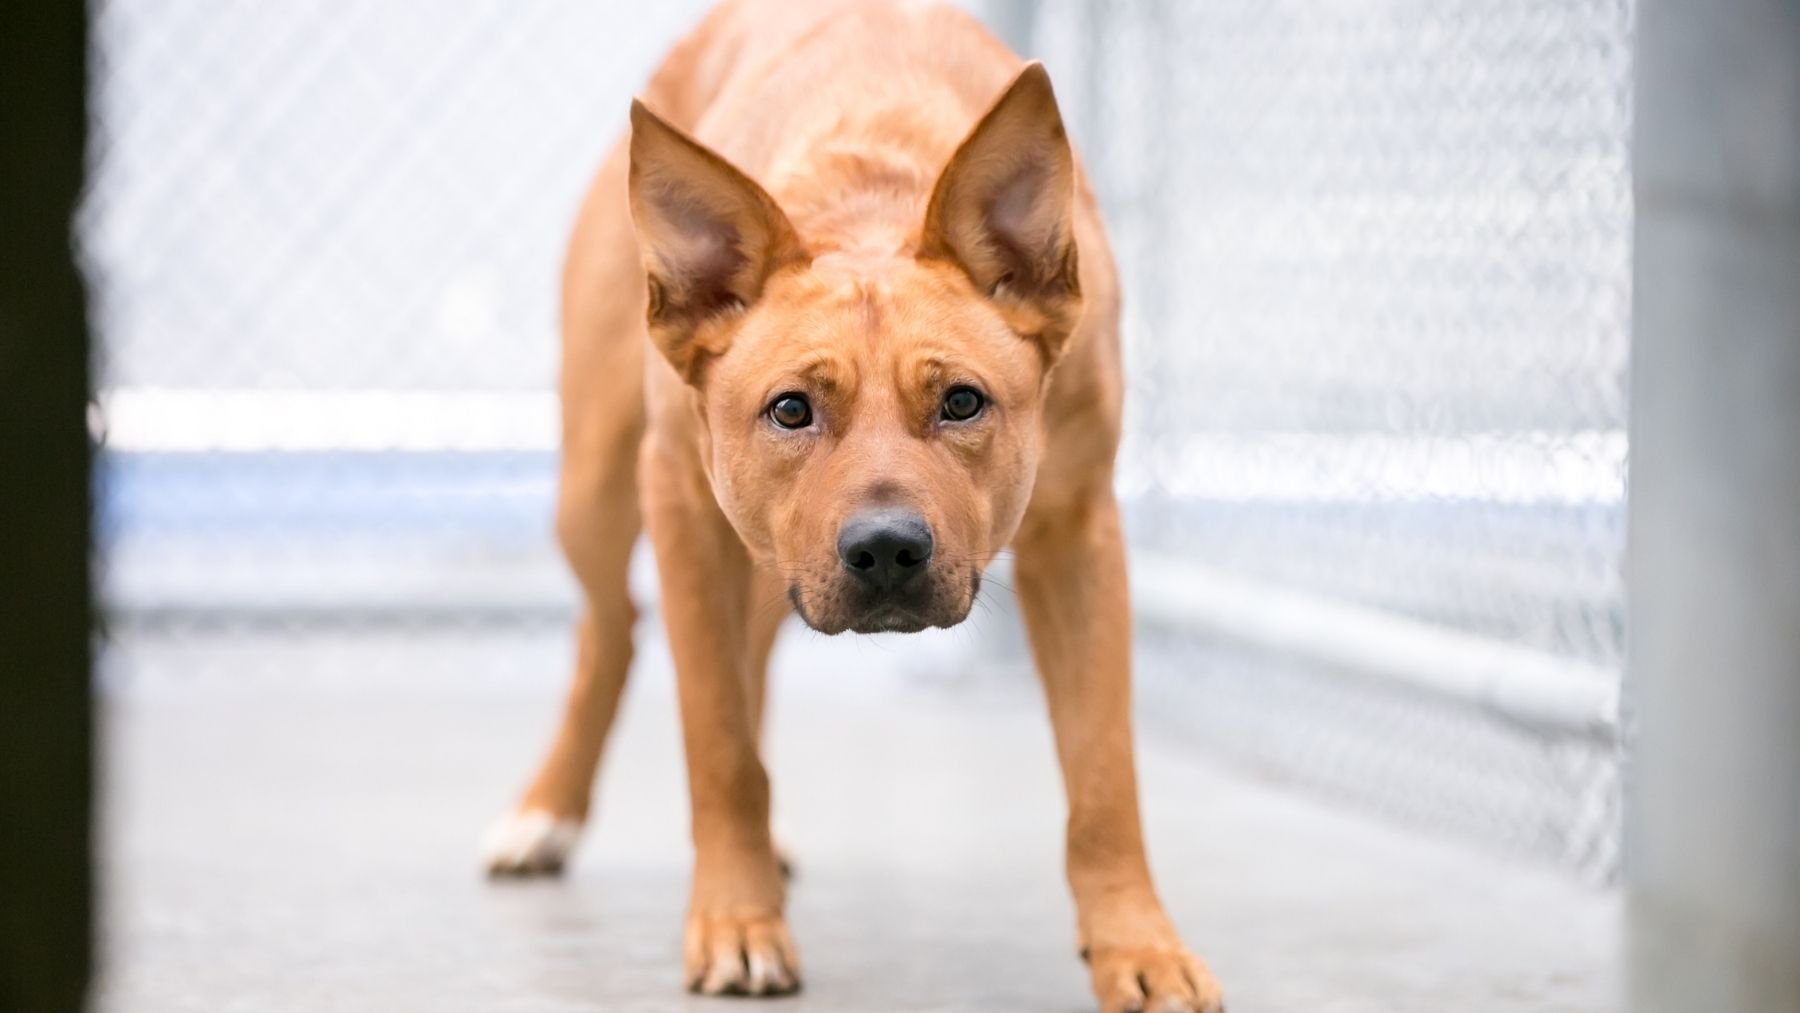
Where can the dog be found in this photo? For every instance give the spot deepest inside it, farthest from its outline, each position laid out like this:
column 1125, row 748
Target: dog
column 840, row 324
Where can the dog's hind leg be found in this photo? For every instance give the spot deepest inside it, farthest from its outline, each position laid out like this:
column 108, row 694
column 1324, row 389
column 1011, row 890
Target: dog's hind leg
column 598, row 523
column 598, row 520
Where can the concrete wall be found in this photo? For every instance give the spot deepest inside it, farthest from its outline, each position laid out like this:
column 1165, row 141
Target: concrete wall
column 1713, row 810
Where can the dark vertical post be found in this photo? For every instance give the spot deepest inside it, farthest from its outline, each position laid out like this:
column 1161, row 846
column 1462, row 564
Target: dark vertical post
column 45, row 628
column 1713, row 810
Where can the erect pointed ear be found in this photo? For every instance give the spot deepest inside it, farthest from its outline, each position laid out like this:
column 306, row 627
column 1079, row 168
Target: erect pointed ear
column 1004, row 209
column 710, row 238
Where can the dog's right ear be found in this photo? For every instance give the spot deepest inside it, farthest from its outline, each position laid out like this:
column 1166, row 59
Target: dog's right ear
column 710, row 238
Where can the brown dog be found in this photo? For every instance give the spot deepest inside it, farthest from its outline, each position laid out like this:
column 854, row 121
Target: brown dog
column 878, row 362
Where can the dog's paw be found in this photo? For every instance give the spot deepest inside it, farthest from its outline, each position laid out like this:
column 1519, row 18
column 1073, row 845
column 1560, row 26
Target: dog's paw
column 529, row 842
column 1160, row 980
column 740, row 955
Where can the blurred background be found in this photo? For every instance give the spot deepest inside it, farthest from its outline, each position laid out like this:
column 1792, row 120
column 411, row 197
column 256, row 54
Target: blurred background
column 1377, row 272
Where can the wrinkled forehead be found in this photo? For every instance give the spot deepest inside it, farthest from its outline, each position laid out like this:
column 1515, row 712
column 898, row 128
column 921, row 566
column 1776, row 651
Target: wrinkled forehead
column 842, row 324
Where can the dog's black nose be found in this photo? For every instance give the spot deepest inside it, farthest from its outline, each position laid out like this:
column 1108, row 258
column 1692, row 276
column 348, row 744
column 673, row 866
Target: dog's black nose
column 886, row 548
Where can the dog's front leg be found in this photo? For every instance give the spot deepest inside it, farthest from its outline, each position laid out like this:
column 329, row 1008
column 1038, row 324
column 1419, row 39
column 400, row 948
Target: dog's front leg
column 1072, row 588
column 737, row 939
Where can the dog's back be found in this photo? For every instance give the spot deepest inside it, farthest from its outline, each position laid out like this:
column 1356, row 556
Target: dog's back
column 844, row 111
column 847, row 54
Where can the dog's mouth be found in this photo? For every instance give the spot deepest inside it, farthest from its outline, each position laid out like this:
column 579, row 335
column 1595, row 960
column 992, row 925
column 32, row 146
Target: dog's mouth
column 890, row 620
column 833, row 610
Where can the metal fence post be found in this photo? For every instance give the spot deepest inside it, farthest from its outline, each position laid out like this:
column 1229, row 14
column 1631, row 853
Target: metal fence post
column 1713, row 807
column 46, row 724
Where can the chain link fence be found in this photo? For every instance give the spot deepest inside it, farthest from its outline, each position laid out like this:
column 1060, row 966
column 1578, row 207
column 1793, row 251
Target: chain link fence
column 1379, row 259
column 1377, row 268
column 327, row 240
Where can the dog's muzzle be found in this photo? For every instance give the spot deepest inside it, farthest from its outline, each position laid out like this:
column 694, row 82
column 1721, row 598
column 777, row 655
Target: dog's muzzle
column 885, row 581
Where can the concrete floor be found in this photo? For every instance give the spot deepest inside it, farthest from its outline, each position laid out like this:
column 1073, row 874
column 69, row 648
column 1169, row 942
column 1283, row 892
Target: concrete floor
column 291, row 825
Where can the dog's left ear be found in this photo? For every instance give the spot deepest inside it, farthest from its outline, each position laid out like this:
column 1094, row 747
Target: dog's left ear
column 1004, row 209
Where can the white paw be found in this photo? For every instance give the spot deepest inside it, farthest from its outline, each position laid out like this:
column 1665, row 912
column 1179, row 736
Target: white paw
column 529, row 843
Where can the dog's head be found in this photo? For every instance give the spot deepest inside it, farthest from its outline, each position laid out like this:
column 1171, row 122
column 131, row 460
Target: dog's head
column 873, row 419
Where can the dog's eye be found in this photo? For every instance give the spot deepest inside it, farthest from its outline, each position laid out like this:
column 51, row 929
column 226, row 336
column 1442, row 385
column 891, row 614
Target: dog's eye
column 963, row 404
column 791, row 411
